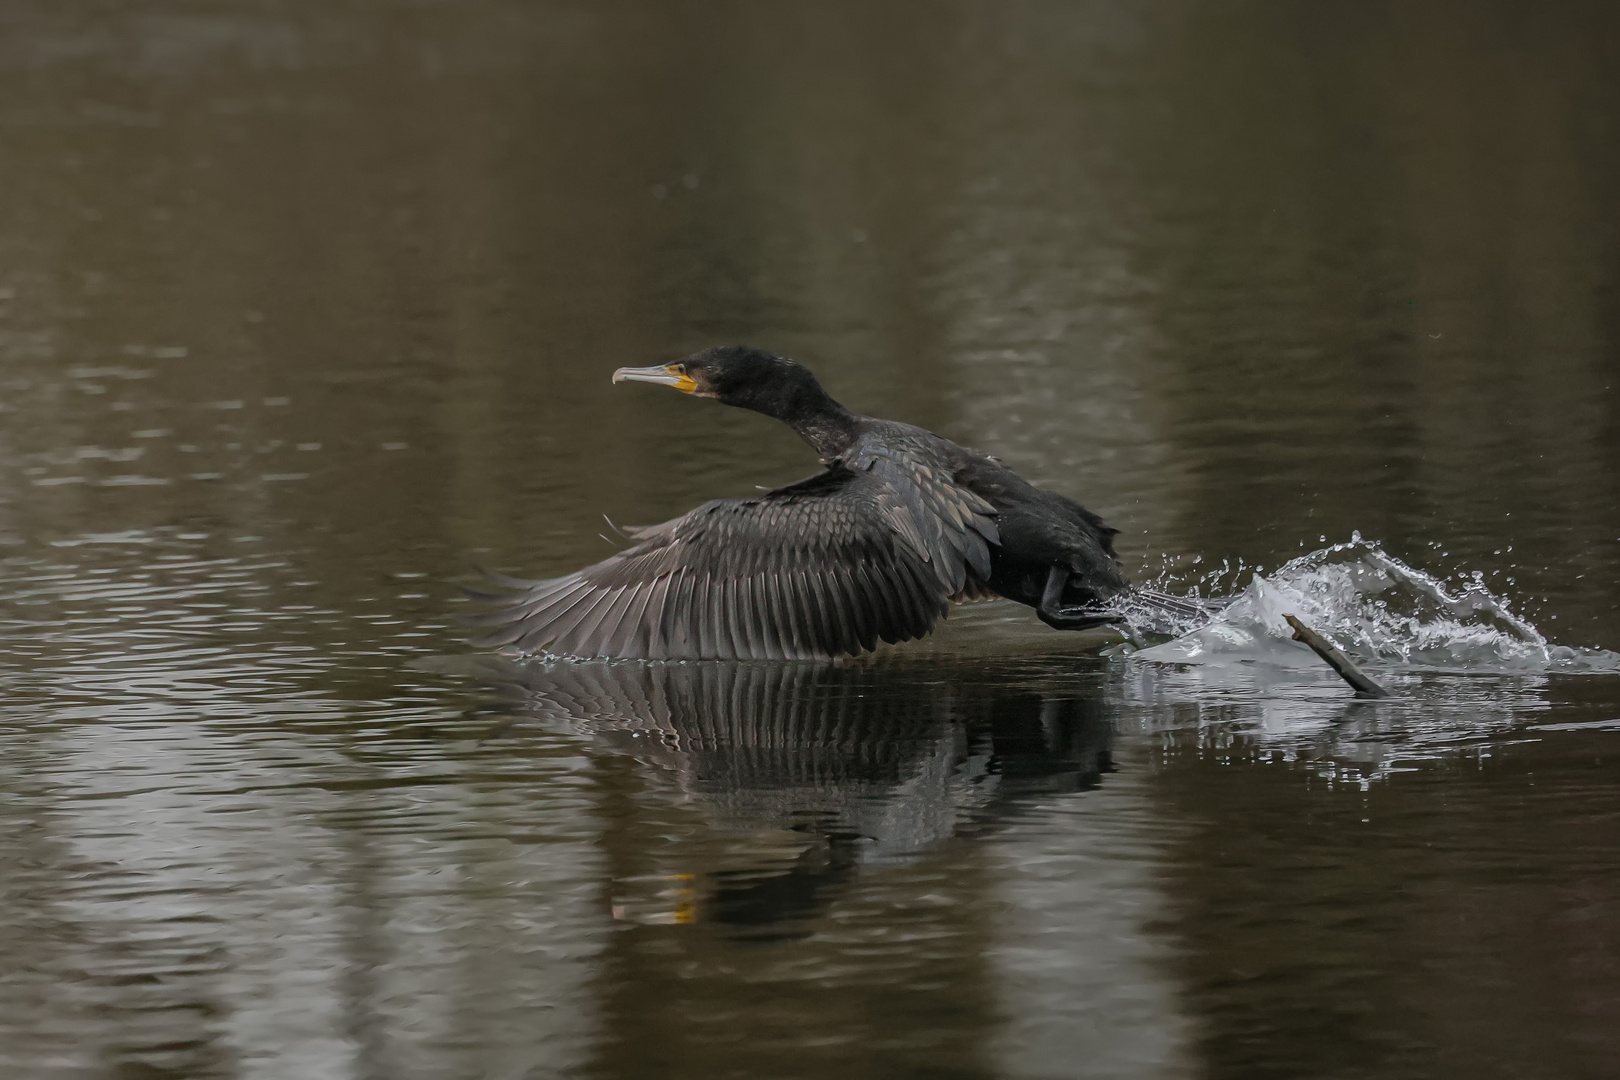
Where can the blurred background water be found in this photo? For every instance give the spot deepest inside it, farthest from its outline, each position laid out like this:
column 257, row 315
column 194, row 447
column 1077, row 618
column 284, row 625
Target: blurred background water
column 305, row 308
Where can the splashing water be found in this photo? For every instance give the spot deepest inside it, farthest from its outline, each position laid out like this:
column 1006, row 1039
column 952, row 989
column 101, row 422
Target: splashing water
column 1377, row 609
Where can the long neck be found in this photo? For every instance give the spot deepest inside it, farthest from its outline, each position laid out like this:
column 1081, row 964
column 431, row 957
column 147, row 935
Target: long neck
column 829, row 432
column 827, row 426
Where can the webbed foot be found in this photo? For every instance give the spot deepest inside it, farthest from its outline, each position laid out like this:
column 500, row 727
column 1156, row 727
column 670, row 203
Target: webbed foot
column 1077, row 618
column 1074, row 617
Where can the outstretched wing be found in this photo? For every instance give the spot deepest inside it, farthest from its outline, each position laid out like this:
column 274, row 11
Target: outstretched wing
column 826, row 567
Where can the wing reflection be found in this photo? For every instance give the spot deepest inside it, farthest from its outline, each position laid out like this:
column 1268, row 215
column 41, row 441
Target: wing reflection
column 803, row 773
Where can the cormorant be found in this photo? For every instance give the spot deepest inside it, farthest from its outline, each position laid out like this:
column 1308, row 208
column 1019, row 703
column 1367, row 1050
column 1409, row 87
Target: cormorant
column 876, row 547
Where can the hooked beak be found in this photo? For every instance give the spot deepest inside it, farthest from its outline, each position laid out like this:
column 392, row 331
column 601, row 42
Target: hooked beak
column 663, row 374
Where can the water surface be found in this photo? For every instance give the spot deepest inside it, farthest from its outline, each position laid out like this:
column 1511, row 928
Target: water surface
column 307, row 308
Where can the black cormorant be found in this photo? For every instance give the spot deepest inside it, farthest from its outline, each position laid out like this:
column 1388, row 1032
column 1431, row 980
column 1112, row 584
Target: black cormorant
column 876, row 547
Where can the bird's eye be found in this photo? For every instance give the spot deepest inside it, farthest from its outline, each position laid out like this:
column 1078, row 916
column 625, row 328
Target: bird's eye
column 679, row 369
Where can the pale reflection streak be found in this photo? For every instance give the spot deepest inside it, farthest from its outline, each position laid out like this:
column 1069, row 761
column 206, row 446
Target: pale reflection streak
column 230, row 865
column 1080, row 976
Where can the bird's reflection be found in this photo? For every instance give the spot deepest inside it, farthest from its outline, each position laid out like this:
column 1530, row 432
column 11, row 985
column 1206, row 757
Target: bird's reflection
column 805, row 773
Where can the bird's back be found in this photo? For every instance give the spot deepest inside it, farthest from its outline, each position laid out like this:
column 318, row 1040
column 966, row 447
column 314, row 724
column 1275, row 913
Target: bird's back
column 1038, row 529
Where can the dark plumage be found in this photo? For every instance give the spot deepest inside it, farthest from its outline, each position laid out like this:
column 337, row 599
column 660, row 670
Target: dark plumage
column 901, row 523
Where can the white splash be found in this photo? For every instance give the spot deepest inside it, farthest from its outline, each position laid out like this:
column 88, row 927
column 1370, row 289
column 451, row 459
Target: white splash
column 1379, row 610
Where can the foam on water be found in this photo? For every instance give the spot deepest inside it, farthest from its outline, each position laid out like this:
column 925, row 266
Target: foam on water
column 1380, row 611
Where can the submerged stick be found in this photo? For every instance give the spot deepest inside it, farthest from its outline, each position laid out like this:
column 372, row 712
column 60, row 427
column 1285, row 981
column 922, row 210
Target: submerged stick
column 1336, row 659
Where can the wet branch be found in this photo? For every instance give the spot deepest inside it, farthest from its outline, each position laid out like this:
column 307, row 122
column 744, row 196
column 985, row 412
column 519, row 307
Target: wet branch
column 1336, row 659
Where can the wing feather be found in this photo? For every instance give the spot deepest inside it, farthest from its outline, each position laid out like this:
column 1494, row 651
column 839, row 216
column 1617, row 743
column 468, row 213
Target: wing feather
column 865, row 552
column 680, row 615
column 817, row 630
column 779, row 620
column 577, row 621
column 734, row 642
column 617, row 629
column 703, row 616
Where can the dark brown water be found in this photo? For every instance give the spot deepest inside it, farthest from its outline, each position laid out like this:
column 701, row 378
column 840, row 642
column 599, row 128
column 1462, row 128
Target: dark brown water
column 307, row 307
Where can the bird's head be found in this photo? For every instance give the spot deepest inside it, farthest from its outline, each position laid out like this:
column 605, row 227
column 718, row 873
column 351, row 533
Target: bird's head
column 741, row 376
